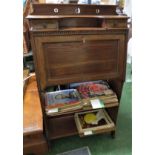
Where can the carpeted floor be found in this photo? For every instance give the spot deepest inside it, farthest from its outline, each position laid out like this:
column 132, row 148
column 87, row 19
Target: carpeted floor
column 103, row 144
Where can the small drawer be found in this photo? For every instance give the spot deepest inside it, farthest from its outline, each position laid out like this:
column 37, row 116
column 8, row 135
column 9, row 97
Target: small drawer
column 44, row 24
column 93, row 122
column 113, row 23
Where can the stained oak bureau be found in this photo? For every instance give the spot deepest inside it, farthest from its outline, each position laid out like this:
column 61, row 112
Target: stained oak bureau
column 75, row 43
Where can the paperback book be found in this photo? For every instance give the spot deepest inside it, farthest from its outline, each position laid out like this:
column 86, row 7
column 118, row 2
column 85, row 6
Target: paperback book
column 63, row 100
column 95, row 90
column 85, row 95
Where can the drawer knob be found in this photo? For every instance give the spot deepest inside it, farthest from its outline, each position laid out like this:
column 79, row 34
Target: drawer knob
column 97, row 11
column 56, row 10
column 77, row 10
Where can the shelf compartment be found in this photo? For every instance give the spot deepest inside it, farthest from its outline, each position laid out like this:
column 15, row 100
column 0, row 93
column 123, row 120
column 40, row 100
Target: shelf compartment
column 104, row 125
column 109, row 105
column 62, row 126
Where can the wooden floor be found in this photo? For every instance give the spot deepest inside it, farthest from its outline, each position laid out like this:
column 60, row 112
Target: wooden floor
column 33, row 139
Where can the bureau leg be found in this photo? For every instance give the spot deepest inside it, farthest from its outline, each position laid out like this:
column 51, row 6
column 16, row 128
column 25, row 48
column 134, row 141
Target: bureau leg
column 46, row 133
column 113, row 134
column 48, row 141
column 49, row 145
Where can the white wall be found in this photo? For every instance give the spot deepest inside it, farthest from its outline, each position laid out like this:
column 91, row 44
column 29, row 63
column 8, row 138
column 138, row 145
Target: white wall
column 128, row 8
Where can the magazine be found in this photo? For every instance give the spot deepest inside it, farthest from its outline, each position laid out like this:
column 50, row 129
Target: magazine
column 80, row 96
column 92, row 89
column 95, row 90
column 62, row 99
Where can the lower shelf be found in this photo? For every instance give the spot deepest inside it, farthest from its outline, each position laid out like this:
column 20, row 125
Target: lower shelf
column 68, row 125
column 62, row 127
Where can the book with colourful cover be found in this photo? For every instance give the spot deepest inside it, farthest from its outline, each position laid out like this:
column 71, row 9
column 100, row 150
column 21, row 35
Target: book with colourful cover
column 95, row 90
column 80, row 95
column 62, row 99
column 92, row 89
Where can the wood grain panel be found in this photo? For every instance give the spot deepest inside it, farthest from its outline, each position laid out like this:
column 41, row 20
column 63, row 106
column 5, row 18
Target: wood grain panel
column 66, row 126
column 65, row 57
column 69, row 9
column 33, row 139
column 32, row 120
column 80, row 52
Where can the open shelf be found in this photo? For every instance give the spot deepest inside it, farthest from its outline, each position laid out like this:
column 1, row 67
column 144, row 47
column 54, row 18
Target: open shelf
column 81, row 110
column 62, row 127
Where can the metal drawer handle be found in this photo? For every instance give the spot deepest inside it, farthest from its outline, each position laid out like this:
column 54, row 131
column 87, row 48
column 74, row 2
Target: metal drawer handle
column 56, row 10
column 97, row 11
column 77, row 10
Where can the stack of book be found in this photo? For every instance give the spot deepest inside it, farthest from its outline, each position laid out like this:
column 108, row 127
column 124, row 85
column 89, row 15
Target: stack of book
column 95, row 90
column 62, row 101
column 85, row 95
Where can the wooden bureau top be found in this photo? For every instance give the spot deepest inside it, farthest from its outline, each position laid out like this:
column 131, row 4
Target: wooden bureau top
column 73, row 9
column 76, row 16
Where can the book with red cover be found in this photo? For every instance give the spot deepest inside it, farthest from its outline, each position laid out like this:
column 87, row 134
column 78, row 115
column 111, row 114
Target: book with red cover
column 92, row 89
